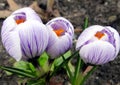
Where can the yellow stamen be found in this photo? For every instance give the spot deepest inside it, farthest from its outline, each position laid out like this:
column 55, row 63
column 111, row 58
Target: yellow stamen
column 59, row 31
column 20, row 21
column 99, row 35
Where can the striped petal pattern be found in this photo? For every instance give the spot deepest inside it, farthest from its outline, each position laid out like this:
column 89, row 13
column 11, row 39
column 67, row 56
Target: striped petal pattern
column 61, row 33
column 24, row 35
column 30, row 13
column 98, row 44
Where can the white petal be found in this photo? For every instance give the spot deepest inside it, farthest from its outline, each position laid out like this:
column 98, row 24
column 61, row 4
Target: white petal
column 30, row 13
column 11, row 43
column 117, row 38
column 10, row 38
column 87, row 34
column 98, row 52
column 70, row 28
column 52, row 36
column 61, row 45
column 8, row 25
column 34, row 38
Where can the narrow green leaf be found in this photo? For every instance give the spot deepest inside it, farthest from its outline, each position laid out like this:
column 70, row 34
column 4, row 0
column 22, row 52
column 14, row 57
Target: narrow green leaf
column 36, row 82
column 26, row 66
column 67, row 54
column 86, row 23
column 59, row 60
column 63, row 63
column 68, row 70
column 18, row 71
column 23, row 65
column 77, row 70
column 79, row 79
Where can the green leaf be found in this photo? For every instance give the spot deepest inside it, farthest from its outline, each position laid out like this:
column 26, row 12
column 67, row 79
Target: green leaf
column 72, row 68
column 43, row 62
column 8, row 73
column 59, row 60
column 77, row 70
column 43, row 59
column 24, row 66
column 19, row 71
column 56, row 68
column 21, row 65
column 32, row 68
column 67, row 54
column 36, row 82
column 86, row 23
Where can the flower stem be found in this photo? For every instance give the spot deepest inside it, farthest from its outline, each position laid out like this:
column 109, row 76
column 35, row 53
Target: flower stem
column 63, row 63
column 77, row 70
column 68, row 69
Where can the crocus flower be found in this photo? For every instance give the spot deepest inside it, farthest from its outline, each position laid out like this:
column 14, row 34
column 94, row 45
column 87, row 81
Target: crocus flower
column 61, row 33
column 98, row 44
column 24, row 35
column 28, row 12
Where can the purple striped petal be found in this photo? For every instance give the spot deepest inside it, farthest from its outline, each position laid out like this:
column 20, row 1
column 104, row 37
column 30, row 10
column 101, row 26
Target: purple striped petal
column 33, row 38
column 30, row 13
column 52, row 37
column 61, row 22
column 8, row 25
column 10, row 38
column 26, row 37
column 59, row 44
column 88, row 35
column 98, row 52
column 100, row 34
column 11, row 41
column 116, row 40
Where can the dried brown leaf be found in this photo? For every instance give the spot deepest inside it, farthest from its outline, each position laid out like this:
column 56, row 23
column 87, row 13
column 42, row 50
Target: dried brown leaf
column 5, row 13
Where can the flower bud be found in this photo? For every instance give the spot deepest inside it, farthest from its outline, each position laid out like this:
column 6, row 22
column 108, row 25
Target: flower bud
column 61, row 33
column 98, row 44
column 24, row 35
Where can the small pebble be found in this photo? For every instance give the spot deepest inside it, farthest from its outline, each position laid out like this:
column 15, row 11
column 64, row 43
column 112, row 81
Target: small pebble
column 112, row 18
column 2, row 5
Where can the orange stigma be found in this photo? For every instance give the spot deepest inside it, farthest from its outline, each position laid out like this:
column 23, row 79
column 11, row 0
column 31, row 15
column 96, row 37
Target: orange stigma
column 18, row 21
column 99, row 35
column 59, row 32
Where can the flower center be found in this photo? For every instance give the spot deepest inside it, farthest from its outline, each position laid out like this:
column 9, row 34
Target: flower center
column 59, row 31
column 20, row 18
column 20, row 21
column 99, row 35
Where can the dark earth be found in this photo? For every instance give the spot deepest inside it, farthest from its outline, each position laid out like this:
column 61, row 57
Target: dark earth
column 102, row 12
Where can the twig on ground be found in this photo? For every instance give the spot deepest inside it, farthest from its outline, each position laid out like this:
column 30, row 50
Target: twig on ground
column 44, row 14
